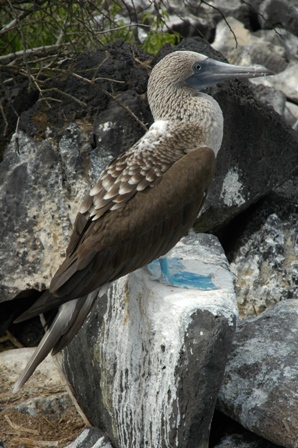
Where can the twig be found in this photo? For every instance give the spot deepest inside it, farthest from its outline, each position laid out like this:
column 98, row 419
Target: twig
column 4, row 119
column 24, row 441
column 20, row 428
column 92, row 82
column 15, row 22
column 48, row 98
column 32, row 51
column 129, row 25
column 10, row 337
column 82, row 78
column 16, row 137
column 55, row 89
column 124, row 107
column 223, row 16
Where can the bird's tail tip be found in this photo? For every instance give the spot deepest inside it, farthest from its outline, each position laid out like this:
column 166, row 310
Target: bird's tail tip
column 16, row 388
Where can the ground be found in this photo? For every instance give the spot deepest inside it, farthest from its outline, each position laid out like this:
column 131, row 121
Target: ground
column 58, row 422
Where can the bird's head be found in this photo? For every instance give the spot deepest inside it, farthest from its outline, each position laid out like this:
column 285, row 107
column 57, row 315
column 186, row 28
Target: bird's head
column 200, row 71
column 187, row 69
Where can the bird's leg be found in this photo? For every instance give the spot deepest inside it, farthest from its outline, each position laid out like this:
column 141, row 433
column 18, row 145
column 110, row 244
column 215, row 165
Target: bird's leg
column 180, row 278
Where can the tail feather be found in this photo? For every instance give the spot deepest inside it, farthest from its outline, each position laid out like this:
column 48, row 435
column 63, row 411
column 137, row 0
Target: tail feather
column 64, row 327
column 82, row 309
column 45, row 303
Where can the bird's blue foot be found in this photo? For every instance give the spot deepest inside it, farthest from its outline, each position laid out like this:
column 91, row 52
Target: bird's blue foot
column 160, row 270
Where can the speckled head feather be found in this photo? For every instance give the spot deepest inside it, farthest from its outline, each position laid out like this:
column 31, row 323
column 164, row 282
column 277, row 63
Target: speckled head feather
column 144, row 201
column 167, row 88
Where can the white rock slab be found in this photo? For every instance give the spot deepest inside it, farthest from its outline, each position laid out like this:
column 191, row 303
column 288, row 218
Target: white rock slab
column 154, row 355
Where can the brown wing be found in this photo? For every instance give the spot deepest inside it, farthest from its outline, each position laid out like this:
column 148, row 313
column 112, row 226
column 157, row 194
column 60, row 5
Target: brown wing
column 125, row 239
column 148, row 226
column 123, row 178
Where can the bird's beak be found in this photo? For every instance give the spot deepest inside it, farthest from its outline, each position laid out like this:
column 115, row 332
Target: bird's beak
column 209, row 72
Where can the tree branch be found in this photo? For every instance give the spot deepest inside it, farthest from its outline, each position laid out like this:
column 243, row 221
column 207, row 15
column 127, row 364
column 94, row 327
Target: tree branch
column 32, row 52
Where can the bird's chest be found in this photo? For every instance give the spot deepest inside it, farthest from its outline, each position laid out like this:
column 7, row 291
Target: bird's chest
column 209, row 119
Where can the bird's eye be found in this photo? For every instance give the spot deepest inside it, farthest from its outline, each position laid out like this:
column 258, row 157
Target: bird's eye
column 197, row 67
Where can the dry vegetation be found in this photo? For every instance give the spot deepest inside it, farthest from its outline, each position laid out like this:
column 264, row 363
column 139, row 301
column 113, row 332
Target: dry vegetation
column 57, row 420
column 39, row 39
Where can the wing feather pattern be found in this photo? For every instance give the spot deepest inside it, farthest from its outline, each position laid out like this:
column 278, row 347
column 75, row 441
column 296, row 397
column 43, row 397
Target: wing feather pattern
column 122, row 240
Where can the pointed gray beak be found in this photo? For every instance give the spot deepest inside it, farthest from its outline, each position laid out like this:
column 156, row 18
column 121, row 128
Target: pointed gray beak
column 209, row 72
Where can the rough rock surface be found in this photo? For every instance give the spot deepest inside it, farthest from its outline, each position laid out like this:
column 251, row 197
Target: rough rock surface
column 286, row 81
column 280, row 12
column 262, row 248
column 275, row 49
column 251, row 48
column 259, row 388
column 266, row 266
column 154, row 355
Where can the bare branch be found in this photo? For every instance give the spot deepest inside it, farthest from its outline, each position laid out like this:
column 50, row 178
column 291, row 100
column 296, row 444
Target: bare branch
column 32, row 52
column 92, row 82
column 129, row 25
column 15, row 22
column 224, row 17
column 17, row 2
column 16, row 137
column 4, row 119
column 55, row 89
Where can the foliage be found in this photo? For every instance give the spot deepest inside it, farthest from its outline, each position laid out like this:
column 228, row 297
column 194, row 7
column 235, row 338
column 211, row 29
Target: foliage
column 44, row 28
column 157, row 37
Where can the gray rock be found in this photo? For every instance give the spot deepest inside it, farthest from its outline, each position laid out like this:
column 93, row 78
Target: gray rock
column 259, row 388
column 281, row 38
column 286, row 81
column 264, row 254
column 292, row 110
column 147, row 364
column 280, row 12
column 35, row 220
column 263, row 53
column 272, row 97
column 242, row 182
column 266, row 267
column 243, row 47
column 91, row 438
column 56, row 405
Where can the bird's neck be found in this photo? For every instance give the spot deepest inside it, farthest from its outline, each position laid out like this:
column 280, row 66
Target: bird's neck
column 187, row 105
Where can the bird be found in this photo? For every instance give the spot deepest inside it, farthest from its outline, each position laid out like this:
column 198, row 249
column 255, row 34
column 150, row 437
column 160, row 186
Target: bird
column 146, row 199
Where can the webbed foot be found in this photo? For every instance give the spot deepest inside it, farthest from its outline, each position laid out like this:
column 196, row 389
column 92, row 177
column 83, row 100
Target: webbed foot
column 161, row 270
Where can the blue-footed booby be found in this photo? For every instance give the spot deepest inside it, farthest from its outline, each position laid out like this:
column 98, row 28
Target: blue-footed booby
column 146, row 199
